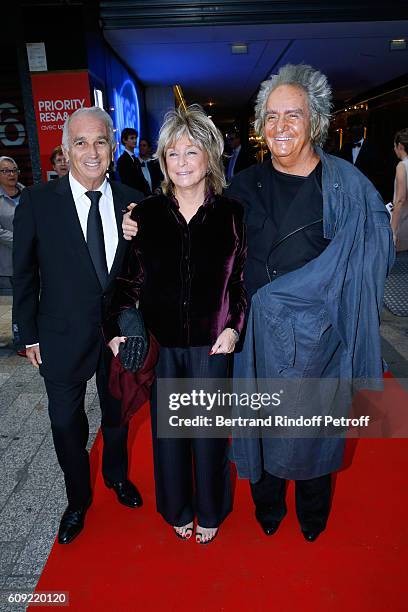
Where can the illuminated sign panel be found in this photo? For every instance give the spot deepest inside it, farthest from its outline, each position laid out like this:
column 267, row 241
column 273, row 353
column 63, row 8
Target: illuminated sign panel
column 125, row 111
column 56, row 96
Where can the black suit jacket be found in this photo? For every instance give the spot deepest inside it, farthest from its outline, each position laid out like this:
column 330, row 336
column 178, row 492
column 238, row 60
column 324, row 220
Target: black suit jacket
column 131, row 174
column 156, row 174
column 368, row 161
column 57, row 298
column 243, row 160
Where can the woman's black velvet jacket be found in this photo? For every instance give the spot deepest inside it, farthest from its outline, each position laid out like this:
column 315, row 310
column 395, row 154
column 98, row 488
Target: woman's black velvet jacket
column 187, row 277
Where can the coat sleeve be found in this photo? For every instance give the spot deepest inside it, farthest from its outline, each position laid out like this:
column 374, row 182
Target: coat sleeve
column 379, row 257
column 26, row 277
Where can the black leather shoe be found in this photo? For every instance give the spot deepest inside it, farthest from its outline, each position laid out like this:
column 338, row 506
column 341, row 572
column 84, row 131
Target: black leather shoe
column 311, row 536
column 126, row 492
column 72, row 523
column 269, row 527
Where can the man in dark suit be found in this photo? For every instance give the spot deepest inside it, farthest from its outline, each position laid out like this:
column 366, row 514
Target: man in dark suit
column 150, row 168
column 239, row 158
column 68, row 248
column 129, row 167
column 360, row 152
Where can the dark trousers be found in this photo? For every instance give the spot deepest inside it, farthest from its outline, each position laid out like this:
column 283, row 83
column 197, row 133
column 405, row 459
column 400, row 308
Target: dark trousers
column 70, row 431
column 312, row 500
column 192, row 475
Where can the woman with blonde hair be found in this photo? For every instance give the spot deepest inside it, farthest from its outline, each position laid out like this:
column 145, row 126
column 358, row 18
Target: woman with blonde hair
column 185, row 268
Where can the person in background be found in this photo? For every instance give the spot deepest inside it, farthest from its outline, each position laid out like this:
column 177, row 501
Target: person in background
column 239, row 157
column 150, row 168
column 10, row 192
column 185, row 267
column 145, row 150
column 62, row 285
column 128, row 167
column 399, row 221
column 58, row 161
column 363, row 153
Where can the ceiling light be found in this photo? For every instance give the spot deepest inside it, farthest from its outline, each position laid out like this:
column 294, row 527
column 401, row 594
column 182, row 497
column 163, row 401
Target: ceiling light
column 239, row 48
column 398, row 44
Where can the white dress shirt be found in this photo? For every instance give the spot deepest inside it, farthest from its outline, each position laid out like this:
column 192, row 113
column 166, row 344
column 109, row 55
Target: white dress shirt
column 107, row 210
column 146, row 171
column 356, row 150
column 131, row 154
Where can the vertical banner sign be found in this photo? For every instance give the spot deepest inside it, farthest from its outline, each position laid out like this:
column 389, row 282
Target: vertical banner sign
column 56, row 96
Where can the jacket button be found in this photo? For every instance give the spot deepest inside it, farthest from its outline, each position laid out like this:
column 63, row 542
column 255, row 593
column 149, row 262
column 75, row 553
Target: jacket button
column 274, row 272
column 259, row 184
column 336, row 185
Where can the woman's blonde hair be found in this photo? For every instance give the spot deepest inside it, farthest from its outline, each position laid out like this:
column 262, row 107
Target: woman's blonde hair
column 200, row 129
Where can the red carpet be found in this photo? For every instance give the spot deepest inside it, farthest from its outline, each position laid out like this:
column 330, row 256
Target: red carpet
column 129, row 560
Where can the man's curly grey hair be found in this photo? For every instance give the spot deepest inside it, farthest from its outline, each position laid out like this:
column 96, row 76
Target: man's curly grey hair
column 318, row 92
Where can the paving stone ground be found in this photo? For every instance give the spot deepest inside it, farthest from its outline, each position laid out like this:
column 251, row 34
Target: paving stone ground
column 32, row 496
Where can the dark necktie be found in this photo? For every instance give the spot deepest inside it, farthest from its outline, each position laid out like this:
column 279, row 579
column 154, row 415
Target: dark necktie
column 94, row 238
column 142, row 164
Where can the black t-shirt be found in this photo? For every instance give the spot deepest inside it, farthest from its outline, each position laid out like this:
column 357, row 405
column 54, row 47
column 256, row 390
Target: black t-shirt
column 299, row 198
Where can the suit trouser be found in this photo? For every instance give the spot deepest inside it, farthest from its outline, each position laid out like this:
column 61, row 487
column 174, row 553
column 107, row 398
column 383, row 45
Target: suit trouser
column 192, row 475
column 312, row 498
column 70, row 431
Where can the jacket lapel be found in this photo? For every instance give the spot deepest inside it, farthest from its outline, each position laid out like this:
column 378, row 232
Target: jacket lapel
column 72, row 226
column 263, row 186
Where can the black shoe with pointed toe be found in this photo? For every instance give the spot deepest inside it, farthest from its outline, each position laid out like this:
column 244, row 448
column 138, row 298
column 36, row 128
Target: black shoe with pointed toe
column 269, row 527
column 72, row 523
column 311, row 535
column 126, row 492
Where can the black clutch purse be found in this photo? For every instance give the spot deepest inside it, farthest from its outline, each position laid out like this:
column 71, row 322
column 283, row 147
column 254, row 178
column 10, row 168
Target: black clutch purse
column 132, row 353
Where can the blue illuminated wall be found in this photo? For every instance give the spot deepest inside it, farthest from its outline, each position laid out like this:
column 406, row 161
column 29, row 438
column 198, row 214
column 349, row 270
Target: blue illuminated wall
column 123, row 96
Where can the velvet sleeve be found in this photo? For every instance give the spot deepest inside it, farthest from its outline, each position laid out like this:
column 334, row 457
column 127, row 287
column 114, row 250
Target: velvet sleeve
column 237, row 292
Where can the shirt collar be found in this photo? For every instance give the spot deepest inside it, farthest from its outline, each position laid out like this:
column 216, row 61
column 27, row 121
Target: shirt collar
column 19, row 188
column 79, row 190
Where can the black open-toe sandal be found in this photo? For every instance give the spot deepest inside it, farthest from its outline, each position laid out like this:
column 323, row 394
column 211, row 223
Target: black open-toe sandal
column 199, row 534
column 188, row 530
